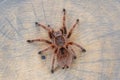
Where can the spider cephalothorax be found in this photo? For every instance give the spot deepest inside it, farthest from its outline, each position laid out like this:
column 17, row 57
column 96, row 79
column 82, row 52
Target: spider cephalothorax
column 59, row 41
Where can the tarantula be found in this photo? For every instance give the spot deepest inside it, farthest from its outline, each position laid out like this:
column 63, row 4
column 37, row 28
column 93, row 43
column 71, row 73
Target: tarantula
column 59, row 41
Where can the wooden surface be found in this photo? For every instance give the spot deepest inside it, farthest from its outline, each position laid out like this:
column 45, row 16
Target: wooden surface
column 98, row 32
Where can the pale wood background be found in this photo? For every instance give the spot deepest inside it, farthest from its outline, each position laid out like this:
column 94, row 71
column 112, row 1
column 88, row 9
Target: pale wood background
column 98, row 32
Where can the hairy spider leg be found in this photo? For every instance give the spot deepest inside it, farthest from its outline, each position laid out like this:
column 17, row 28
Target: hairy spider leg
column 53, row 61
column 51, row 46
column 72, row 43
column 72, row 28
column 48, row 28
column 43, row 26
column 73, row 52
column 39, row 40
column 63, row 29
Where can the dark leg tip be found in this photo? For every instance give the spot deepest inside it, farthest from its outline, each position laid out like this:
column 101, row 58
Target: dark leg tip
column 77, row 20
column 83, row 50
column 39, row 52
column 48, row 25
column 36, row 23
column 74, row 57
column 52, row 71
column 64, row 10
column 67, row 66
column 29, row 41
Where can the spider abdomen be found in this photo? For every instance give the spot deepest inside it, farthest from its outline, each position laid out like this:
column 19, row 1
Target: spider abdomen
column 59, row 41
column 62, row 50
column 64, row 58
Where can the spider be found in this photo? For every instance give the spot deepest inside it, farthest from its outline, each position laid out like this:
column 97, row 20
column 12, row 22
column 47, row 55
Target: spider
column 59, row 41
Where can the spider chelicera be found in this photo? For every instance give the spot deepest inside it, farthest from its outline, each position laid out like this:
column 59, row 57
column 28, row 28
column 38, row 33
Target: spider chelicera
column 59, row 41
